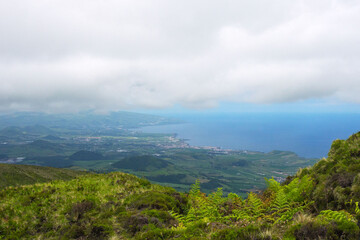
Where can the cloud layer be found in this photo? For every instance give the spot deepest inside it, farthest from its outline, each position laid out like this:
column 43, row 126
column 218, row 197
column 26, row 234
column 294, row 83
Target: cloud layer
column 110, row 55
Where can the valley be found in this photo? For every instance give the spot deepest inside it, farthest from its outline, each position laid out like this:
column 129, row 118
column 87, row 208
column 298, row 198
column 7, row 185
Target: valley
column 105, row 145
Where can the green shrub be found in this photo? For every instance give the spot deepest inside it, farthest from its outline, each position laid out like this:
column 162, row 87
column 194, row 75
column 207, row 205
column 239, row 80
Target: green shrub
column 154, row 233
column 74, row 232
column 163, row 216
column 195, row 229
column 249, row 232
column 311, row 230
column 136, row 222
column 78, row 209
column 100, row 231
column 153, row 200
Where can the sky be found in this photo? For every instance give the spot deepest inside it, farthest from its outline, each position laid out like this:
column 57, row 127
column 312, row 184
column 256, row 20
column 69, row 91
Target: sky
column 155, row 55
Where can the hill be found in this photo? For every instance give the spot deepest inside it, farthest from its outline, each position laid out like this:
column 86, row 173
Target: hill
column 13, row 131
column 319, row 202
column 89, row 207
column 34, row 149
column 86, row 156
column 52, row 138
column 84, row 120
column 53, row 161
column 42, row 144
column 15, row 175
column 337, row 178
column 141, row 163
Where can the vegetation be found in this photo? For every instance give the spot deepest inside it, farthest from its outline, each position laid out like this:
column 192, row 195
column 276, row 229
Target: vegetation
column 15, row 175
column 142, row 163
column 95, row 206
column 319, row 202
column 337, row 178
column 86, row 156
column 161, row 158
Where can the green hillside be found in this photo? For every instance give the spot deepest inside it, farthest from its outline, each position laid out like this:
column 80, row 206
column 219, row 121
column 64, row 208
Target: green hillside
column 89, row 207
column 14, row 175
column 142, row 163
column 337, row 178
column 34, row 149
column 86, row 156
column 320, row 202
column 13, row 131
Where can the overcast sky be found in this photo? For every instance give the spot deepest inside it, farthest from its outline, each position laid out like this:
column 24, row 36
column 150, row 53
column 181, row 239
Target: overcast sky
column 105, row 55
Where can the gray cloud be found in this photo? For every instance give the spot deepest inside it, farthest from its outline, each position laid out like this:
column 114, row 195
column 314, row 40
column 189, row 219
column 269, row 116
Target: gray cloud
column 110, row 55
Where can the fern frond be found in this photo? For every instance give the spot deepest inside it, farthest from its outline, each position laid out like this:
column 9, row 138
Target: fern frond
column 337, row 216
column 273, row 185
column 280, row 201
column 254, row 205
column 357, row 209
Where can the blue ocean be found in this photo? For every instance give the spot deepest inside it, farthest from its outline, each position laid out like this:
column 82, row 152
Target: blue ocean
column 308, row 135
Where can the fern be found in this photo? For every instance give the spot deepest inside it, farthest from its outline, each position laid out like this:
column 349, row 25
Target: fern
column 273, row 185
column 252, row 210
column 195, row 189
column 281, row 200
column 288, row 200
column 216, row 197
column 337, row 216
column 255, row 204
column 298, row 190
column 289, row 214
column 176, row 216
column 202, row 207
column 239, row 214
column 357, row 210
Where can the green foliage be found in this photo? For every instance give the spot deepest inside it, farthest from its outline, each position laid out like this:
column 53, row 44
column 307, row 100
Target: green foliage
column 327, row 225
column 15, row 175
column 93, row 207
column 153, row 200
column 202, row 207
column 279, row 207
column 251, row 209
column 141, row 163
column 248, row 232
column 336, row 177
column 86, row 156
column 273, row 185
column 341, row 217
column 317, row 203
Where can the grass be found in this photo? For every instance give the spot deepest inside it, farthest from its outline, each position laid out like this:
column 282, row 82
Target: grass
column 15, row 175
column 95, row 206
column 123, row 206
column 235, row 171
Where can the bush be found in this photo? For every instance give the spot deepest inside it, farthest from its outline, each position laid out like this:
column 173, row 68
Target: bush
column 100, row 231
column 154, row 200
column 163, row 216
column 79, row 209
column 249, row 232
column 155, row 233
column 311, row 230
column 136, row 223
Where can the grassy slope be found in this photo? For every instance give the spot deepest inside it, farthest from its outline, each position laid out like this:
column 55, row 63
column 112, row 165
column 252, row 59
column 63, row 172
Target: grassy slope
column 95, row 206
column 14, row 175
column 337, row 178
column 320, row 202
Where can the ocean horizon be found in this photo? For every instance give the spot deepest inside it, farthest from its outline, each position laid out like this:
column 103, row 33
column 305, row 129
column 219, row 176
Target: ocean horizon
column 307, row 134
